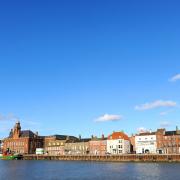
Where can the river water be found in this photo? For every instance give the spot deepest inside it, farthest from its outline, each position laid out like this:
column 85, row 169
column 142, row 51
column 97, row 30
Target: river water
column 54, row 170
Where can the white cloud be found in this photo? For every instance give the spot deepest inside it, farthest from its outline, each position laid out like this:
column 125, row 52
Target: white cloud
column 155, row 104
column 165, row 124
column 164, row 113
column 175, row 78
column 4, row 129
column 8, row 117
column 109, row 117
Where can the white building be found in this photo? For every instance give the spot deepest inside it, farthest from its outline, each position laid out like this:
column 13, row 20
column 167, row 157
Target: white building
column 146, row 143
column 118, row 143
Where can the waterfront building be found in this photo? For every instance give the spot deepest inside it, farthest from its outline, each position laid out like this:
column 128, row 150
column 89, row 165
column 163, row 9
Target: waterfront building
column 146, row 143
column 98, row 146
column 79, row 147
column 23, row 142
column 118, row 143
column 55, row 144
column 168, row 142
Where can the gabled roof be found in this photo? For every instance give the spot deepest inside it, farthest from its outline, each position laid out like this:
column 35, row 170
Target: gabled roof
column 118, row 135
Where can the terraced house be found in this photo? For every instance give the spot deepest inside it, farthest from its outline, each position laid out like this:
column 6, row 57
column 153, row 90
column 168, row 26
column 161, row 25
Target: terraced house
column 98, row 146
column 55, row 144
column 79, row 147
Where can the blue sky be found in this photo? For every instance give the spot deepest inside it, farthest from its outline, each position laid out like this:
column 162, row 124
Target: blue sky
column 88, row 67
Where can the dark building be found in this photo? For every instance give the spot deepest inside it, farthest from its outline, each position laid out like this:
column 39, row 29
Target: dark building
column 1, row 145
column 22, row 141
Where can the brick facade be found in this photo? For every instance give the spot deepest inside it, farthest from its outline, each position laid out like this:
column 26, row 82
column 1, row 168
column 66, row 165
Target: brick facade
column 23, row 142
column 98, row 146
column 168, row 142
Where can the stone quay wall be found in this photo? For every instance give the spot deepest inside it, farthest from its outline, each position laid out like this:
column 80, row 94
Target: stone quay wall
column 110, row 158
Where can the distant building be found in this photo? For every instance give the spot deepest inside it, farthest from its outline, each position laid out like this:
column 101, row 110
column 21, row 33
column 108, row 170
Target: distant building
column 79, row 147
column 98, row 146
column 168, row 142
column 118, row 143
column 55, row 144
column 146, row 143
column 24, row 142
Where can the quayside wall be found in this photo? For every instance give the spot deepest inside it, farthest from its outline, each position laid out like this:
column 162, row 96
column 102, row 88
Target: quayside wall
column 109, row 158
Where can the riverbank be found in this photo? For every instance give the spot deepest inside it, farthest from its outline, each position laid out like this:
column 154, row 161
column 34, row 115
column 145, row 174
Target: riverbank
column 114, row 158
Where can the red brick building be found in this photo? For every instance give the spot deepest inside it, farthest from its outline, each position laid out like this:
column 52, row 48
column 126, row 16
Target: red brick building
column 23, row 142
column 168, row 142
column 98, row 146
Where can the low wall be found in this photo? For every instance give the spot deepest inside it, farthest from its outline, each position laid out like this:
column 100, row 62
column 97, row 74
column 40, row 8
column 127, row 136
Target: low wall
column 114, row 158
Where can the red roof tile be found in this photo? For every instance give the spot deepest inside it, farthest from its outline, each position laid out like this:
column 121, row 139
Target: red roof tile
column 118, row 135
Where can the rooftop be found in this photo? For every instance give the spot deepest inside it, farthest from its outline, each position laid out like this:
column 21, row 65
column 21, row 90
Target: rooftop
column 25, row 133
column 118, row 135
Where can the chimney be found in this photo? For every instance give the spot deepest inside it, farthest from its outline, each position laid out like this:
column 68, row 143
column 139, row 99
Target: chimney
column 177, row 130
column 67, row 138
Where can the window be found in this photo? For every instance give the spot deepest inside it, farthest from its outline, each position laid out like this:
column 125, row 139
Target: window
column 120, row 146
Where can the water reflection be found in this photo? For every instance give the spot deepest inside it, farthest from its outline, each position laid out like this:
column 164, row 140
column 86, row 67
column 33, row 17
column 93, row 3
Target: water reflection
column 20, row 170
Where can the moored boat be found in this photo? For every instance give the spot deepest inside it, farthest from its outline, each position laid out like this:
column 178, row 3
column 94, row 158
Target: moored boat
column 7, row 155
column 11, row 157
